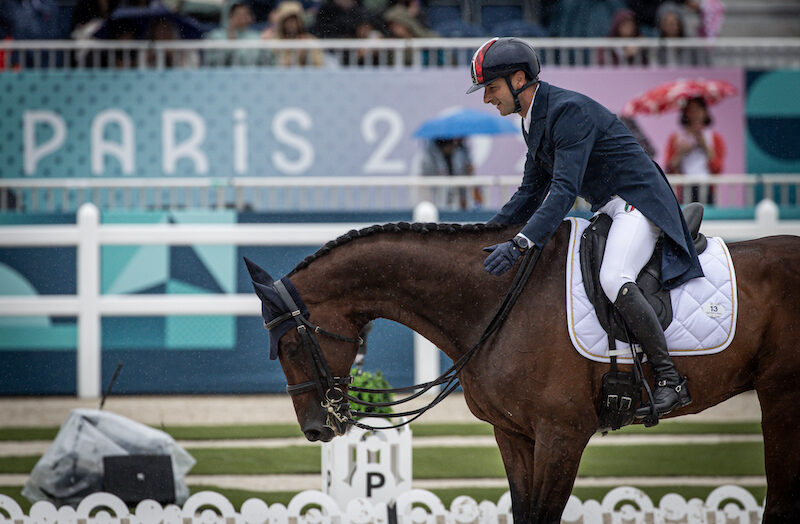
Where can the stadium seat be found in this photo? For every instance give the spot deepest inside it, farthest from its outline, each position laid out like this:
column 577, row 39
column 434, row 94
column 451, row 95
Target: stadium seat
column 438, row 14
column 457, row 28
column 578, row 18
column 519, row 28
column 491, row 15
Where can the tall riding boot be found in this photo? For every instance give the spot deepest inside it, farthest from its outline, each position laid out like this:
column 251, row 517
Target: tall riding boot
column 671, row 390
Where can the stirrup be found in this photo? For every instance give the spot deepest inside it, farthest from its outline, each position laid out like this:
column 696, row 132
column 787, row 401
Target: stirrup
column 648, row 411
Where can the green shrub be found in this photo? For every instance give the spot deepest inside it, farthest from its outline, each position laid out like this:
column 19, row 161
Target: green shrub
column 376, row 380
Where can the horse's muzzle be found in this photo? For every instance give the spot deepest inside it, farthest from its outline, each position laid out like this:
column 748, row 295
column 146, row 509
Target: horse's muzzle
column 323, row 433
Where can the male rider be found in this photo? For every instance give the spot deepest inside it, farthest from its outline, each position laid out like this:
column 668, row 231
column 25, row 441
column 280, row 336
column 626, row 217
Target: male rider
column 578, row 147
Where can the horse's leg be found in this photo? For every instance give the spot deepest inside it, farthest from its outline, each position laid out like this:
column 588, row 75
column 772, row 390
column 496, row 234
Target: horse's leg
column 780, row 424
column 557, row 457
column 517, row 451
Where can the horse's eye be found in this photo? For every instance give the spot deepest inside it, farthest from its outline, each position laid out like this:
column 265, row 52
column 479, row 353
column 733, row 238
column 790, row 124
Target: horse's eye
column 290, row 348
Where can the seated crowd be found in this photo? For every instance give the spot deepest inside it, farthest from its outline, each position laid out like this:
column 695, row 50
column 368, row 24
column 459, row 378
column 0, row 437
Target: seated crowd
column 361, row 19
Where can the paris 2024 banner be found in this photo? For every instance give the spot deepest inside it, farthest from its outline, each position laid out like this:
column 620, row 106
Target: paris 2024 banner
column 289, row 123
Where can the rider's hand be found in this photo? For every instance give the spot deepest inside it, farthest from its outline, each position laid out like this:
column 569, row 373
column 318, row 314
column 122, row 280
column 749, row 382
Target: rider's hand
column 502, row 258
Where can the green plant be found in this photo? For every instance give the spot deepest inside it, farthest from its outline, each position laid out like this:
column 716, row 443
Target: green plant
column 376, row 380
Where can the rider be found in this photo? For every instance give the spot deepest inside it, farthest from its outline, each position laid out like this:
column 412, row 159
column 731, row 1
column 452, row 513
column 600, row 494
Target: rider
column 578, row 147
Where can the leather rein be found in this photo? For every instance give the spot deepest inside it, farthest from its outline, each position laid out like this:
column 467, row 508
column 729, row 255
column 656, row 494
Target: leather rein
column 329, row 387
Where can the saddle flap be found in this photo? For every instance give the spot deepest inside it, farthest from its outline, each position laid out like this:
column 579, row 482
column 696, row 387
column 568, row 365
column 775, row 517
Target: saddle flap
column 592, row 250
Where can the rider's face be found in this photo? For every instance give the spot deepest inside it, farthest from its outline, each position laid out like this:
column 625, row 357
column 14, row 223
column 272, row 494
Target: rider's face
column 498, row 94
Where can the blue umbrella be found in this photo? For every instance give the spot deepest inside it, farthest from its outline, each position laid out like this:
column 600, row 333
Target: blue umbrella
column 465, row 122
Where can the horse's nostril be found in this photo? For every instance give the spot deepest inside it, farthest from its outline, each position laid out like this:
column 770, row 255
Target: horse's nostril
column 313, row 435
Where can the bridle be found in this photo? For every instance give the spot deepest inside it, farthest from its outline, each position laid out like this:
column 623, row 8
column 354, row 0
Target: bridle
column 326, row 384
column 329, row 387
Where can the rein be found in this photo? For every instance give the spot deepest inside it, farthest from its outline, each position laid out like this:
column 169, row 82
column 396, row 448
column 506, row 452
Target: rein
column 336, row 402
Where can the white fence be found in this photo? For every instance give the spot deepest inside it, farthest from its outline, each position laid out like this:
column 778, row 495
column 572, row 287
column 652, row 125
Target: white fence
column 89, row 305
column 761, row 53
column 623, row 504
column 353, row 193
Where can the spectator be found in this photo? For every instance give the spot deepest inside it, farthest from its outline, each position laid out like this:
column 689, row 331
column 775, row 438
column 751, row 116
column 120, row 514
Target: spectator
column 30, row 20
column 623, row 25
column 88, row 15
column 338, row 19
column 647, row 10
column 161, row 29
column 240, row 18
column 450, row 157
column 401, row 22
column 367, row 29
column 695, row 149
column 670, row 24
column 289, row 24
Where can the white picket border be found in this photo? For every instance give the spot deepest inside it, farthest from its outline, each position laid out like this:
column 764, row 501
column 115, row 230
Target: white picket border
column 730, row 504
column 89, row 305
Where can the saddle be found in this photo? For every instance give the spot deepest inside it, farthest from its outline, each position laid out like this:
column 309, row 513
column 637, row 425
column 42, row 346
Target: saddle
column 592, row 249
column 621, row 393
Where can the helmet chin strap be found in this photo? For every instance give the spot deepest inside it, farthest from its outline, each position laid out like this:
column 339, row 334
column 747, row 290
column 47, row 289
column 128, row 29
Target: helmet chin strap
column 515, row 92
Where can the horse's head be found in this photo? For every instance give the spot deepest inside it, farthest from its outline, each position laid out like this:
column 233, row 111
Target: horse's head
column 315, row 357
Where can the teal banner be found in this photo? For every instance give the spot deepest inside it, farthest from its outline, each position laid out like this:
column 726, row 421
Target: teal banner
column 287, row 122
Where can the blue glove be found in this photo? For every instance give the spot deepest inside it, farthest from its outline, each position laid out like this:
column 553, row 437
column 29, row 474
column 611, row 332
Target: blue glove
column 502, row 258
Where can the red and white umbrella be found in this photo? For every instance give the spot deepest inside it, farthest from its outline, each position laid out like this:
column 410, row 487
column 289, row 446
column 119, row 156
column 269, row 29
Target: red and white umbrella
column 672, row 96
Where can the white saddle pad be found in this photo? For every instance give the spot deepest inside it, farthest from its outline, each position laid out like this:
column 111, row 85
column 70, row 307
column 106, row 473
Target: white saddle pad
column 703, row 309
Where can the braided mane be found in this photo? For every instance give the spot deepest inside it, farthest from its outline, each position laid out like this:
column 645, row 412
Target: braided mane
column 398, row 227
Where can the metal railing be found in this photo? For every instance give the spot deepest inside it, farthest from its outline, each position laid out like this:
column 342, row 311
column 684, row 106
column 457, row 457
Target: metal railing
column 759, row 53
column 353, row 193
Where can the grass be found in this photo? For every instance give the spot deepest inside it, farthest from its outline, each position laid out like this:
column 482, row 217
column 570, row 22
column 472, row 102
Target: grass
column 728, row 459
column 419, row 430
column 238, row 496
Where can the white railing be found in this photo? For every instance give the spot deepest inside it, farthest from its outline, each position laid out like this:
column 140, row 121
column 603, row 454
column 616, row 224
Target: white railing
column 88, row 305
column 347, row 193
column 762, row 53
column 622, row 504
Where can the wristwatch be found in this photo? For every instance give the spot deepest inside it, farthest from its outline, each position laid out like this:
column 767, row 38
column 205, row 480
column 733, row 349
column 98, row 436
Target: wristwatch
column 522, row 242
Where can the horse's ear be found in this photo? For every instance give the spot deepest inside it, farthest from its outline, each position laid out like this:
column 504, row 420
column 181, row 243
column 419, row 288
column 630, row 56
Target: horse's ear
column 257, row 274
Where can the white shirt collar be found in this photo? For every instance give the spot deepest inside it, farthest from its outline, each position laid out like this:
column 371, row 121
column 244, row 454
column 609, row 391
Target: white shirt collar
column 526, row 120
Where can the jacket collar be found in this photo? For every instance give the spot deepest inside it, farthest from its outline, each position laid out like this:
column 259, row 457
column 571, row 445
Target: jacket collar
column 540, row 104
column 538, row 117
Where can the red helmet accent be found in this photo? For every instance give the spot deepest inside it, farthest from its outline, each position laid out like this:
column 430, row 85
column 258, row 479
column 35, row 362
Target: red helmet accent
column 477, row 60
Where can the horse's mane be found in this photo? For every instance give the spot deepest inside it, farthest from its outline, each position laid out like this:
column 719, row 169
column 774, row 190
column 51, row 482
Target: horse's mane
column 395, row 227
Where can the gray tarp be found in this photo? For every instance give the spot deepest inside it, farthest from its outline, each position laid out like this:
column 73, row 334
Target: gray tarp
column 72, row 467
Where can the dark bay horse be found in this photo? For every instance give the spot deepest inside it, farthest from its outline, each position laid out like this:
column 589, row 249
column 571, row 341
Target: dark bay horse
column 540, row 395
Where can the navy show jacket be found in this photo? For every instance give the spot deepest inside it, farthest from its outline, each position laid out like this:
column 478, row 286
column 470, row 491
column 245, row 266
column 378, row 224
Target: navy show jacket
column 578, row 147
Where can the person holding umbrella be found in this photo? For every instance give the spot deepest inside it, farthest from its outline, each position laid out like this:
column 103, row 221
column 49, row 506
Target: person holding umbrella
column 577, row 147
column 696, row 150
column 446, row 152
column 451, row 157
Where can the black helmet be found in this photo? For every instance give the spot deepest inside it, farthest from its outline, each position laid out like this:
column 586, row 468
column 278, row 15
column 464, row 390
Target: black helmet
column 500, row 58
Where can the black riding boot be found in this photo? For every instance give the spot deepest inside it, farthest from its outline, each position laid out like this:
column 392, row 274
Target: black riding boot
column 671, row 391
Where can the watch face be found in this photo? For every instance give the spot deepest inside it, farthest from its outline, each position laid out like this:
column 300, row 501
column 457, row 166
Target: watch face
column 522, row 242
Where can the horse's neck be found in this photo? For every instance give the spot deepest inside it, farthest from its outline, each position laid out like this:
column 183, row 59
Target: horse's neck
column 427, row 284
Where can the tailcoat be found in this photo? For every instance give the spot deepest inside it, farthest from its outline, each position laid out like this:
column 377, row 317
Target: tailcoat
column 577, row 147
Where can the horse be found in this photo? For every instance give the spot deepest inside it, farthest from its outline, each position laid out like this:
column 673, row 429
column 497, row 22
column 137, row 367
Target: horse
column 541, row 397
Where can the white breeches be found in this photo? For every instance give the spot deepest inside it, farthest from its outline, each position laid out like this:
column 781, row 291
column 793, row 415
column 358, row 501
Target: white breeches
column 630, row 245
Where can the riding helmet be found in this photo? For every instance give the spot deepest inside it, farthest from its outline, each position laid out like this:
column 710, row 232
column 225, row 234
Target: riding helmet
column 500, row 57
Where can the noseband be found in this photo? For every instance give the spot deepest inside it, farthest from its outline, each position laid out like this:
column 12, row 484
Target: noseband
column 325, row 383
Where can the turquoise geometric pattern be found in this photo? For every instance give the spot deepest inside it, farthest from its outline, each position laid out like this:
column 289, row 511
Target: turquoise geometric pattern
column 773, row 122
column 176, row 269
